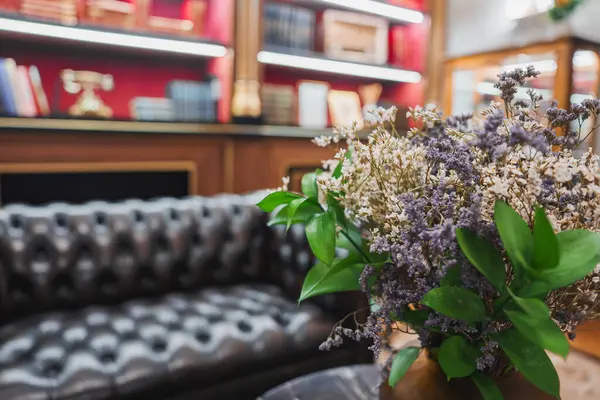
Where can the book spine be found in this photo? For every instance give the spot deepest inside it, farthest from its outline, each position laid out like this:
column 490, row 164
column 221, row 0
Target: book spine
column 29, row 107
column 41, row 99
column 13, row 81
column 7, row 98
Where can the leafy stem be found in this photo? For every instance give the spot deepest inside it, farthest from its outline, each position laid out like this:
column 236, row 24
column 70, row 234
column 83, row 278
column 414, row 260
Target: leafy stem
column 356, row 246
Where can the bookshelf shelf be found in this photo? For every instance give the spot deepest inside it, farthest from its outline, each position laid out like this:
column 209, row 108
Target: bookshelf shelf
column 391, row 12
column 11, row 124
column 315, row 62
column 78, row 35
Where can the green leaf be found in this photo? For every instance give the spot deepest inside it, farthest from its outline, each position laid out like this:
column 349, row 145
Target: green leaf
column 457, row 303
column 579, row 254
column 275, row 199
column 279, row 217
column 457, row 357
column 337, row 172
column 414, row 318
column 341, row 277
column 309, row 185
column 485, row 257
column 542, row 332
column 292, row 208
column 401, row 364
column 306, row 210
column 452, row 277
column 531, row 361
column 545, row 244
column 320, row 232
column 334, row 204
column 487, row 387
column 535, row 308
column 516, row 236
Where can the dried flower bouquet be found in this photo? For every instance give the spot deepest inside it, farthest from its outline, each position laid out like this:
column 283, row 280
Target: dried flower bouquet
column 480, row 236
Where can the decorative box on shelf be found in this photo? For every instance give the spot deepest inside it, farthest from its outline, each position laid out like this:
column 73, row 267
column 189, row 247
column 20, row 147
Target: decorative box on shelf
column 111, row 12
column 355, row 37
column 189, row 23
column 62, row 11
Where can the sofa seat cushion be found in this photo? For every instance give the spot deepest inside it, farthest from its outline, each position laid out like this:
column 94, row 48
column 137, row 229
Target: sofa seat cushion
column 197, row 338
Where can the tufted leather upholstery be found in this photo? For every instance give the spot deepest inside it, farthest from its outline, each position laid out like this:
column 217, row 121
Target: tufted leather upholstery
column 139, row 344
column 104, row 300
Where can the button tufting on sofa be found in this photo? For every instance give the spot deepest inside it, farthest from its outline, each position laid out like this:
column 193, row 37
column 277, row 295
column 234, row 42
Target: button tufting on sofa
column 109, row 301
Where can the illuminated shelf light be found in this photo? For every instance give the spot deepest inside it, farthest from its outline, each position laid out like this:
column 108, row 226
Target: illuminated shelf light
column 388, row 11
column 115, row 39
column 338, row 67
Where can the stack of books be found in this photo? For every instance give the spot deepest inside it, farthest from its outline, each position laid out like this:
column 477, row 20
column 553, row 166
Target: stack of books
column 194, row 101
column 288, row 26
column 279, row 104
column 63, row 11
column 152, row 109
column 21, row 91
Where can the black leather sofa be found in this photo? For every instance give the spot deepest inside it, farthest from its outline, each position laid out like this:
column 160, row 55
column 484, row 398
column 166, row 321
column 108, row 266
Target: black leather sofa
column 166, row 299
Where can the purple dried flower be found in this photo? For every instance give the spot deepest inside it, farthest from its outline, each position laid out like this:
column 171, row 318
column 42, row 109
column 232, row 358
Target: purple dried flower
column 510, row 81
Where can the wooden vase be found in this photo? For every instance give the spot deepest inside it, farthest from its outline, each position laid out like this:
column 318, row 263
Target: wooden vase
column 426, row 381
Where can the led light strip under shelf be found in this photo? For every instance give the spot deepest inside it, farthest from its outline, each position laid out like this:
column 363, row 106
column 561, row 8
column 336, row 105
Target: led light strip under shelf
column 388, row 11
column 339, row 67
column 115, row 39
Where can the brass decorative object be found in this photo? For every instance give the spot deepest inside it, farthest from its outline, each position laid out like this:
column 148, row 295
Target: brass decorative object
column 246, row 99
column 86, row 83
column 369, row 95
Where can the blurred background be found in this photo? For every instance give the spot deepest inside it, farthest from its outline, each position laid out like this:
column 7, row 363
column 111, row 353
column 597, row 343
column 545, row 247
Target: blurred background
column 94, row 93
column 107, row 100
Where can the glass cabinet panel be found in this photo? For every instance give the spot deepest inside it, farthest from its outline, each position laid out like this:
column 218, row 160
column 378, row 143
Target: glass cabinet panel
column 585, row 85
column 473, row 89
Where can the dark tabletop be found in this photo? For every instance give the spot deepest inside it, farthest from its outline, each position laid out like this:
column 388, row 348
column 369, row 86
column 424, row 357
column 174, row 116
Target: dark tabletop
column 358, row 382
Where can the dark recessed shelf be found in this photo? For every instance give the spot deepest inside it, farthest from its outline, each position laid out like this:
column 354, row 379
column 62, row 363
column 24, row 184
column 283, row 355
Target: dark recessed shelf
column 313, row 61
column 14, row 26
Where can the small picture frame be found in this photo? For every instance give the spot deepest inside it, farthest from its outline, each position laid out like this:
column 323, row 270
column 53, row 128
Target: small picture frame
column 345, row 109
column 312, row 104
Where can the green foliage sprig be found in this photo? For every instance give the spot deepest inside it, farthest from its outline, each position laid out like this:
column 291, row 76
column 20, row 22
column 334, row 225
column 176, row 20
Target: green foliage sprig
column 541, row 260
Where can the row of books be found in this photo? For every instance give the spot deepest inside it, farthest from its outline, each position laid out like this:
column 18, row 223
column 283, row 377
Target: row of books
column 289, row 26
column 185, row 101
column 21, row 91
column 186, row 16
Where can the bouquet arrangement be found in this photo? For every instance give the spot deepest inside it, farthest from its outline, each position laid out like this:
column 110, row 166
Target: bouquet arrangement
column 480, row 237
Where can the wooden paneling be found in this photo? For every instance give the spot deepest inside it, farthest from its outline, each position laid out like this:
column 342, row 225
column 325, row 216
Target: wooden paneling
column 206, row 154
column 262, row 163
column 220, row 163
column 586, row 340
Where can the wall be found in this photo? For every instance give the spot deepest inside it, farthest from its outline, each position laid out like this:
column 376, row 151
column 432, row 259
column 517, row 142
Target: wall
column 475, row 26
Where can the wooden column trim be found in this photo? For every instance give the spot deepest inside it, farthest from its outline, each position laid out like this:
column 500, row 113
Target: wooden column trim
column 563, row 80
column 229, row 166
column 248, row 39
column 436, row 53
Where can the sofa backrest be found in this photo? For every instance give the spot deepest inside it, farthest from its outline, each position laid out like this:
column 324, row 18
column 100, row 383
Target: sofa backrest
column 68, row 256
